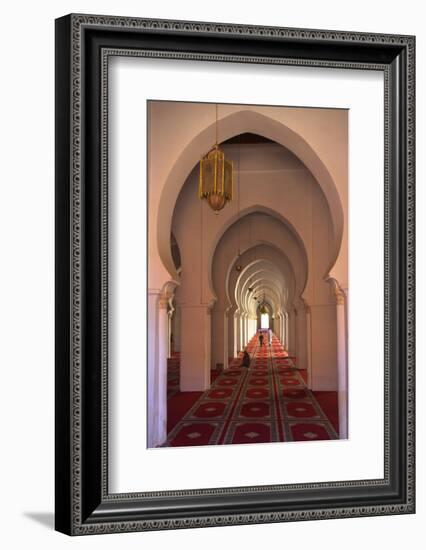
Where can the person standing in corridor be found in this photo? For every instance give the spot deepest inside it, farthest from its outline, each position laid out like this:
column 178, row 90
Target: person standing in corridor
column 246, row 360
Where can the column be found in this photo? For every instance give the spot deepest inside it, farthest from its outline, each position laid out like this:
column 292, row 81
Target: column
column 286, row 336
column 293, row 333
column 225, row 340
column 243, row 331
column 236, row 333
column 309, row 346
column 342, row 364
column 231, row 332
column 218, row 334
column 176, row 328
column 303, row 352
column 157, row 367
column 195, row 357
column 324, row 368
column 163, row 344
column 169, row 332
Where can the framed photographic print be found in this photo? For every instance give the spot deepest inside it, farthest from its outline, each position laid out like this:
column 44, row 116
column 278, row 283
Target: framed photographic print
column 234, row 274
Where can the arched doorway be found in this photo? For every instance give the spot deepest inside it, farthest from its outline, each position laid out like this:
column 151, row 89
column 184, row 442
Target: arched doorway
column 264, row 320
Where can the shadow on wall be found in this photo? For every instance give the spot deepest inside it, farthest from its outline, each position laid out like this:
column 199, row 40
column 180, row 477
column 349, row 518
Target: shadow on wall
column 47, row 519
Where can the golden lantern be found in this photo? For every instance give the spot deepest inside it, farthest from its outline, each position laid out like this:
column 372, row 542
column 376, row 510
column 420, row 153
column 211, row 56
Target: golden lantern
column 216, row 177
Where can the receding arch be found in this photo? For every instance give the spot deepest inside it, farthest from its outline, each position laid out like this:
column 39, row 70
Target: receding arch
column 267, row 276
column 261, row 265
column 244, row 121
column 238, row 218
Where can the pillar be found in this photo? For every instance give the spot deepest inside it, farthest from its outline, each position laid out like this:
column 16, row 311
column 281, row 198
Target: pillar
column 157, row 367
column 176, row 326
column 170, row 331
column 252, row 328
column 302, row 338
column 195, row 348
column 293, row 333
column 278, row 325
column 231, row 331
column 236, row 333
column 308, row 345
column 163, row 344
column 241, row 340
column 286, row 338
column 281, row 336
column 342, row 364
column 323, row 339
column 217, row 336
column 225, row 340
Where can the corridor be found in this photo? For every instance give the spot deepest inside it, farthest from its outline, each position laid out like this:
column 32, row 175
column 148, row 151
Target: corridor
column 267, row 402
column 248, row 232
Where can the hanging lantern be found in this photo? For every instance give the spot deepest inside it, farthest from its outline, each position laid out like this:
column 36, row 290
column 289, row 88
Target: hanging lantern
column 216, row 177
column 263, row 310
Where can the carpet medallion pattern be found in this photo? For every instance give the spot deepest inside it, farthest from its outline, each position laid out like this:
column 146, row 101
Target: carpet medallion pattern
column 267, row 402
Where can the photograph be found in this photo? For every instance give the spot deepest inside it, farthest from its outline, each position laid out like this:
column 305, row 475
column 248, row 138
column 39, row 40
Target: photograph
column 253, row 233
column 213, row 239
column 219, row 188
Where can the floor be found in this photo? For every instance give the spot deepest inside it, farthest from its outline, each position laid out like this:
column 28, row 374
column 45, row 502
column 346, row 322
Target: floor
column 267, row 402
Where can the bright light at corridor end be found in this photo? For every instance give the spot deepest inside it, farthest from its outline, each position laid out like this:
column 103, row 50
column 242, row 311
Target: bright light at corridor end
column 264, row 320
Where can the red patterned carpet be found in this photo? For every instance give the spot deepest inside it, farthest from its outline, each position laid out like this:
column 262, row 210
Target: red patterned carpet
column 268, row 402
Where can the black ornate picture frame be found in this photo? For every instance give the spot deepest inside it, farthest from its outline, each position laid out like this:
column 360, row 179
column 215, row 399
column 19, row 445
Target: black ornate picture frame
column 83, row 46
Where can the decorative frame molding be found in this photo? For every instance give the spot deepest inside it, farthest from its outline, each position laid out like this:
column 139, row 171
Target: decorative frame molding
column 84, row 44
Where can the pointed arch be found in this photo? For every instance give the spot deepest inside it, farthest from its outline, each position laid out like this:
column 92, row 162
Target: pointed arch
column 244, row 121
